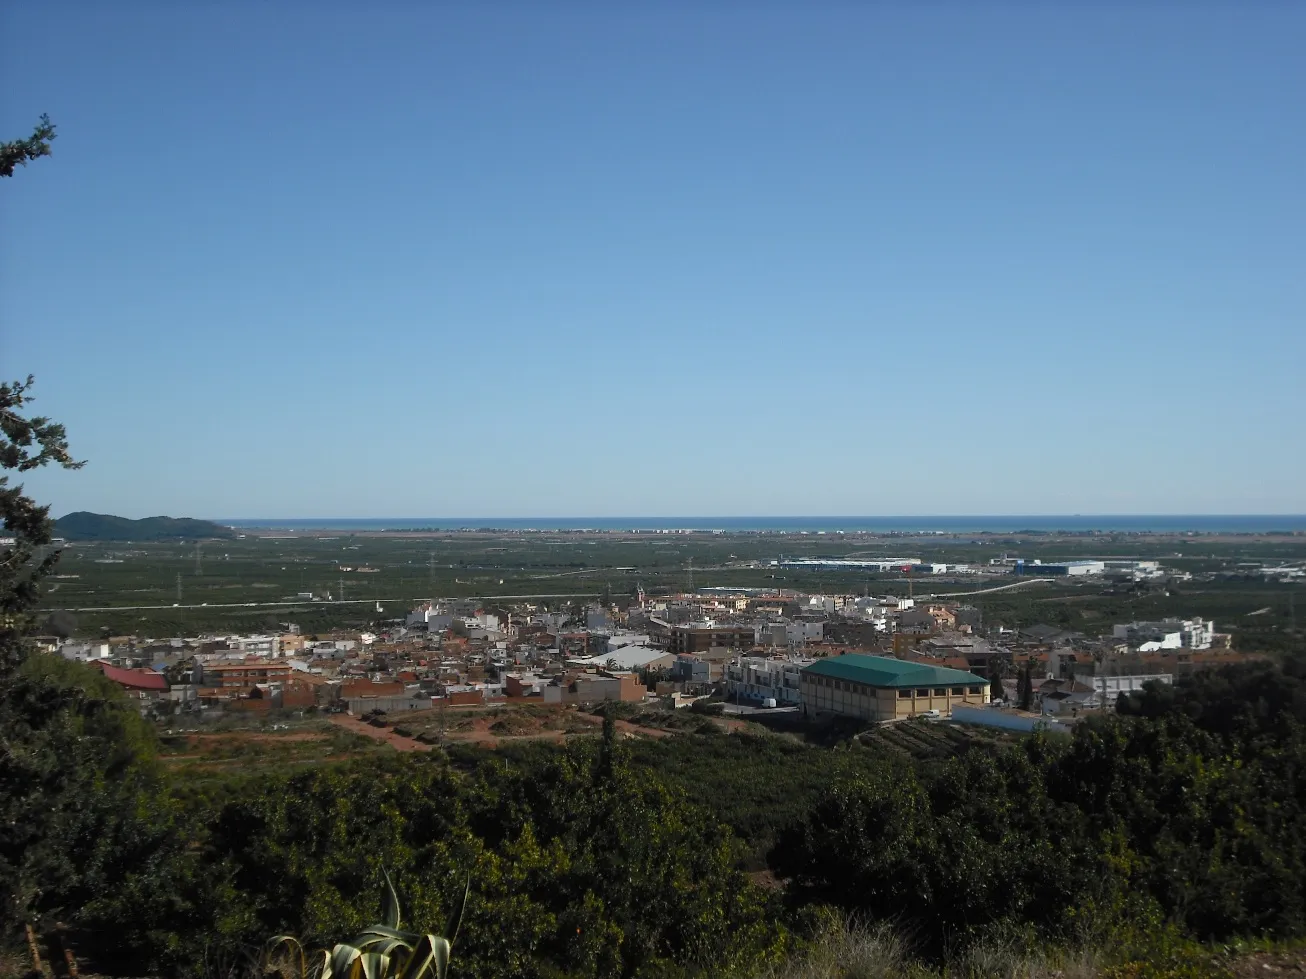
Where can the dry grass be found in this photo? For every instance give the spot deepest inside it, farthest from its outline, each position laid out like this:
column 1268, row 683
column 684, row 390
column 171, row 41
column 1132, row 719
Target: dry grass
column 850, row 950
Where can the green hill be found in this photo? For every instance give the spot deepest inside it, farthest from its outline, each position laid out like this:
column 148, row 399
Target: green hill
column 103, row 526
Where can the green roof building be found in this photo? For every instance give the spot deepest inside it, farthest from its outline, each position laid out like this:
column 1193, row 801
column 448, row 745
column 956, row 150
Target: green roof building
column 880, row 688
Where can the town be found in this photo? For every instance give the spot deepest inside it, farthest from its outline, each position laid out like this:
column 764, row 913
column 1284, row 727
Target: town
column 652, row 491
column 820, row 656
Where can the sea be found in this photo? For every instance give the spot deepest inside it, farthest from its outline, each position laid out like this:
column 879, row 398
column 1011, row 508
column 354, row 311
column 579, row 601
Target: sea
column 1073, row 523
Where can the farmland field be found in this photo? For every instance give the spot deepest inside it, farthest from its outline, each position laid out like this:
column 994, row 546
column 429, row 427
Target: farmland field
column 255, row 582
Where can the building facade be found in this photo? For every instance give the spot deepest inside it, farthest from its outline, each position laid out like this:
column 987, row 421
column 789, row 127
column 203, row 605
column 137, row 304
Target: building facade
column 1167, row 634
column 758, row 679
column 878, row 688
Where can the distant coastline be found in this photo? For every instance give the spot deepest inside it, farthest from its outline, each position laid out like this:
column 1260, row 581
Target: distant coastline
column 1141, row 523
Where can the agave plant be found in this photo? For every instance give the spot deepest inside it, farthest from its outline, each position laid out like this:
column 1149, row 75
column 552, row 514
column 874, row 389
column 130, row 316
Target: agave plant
column 382, row 951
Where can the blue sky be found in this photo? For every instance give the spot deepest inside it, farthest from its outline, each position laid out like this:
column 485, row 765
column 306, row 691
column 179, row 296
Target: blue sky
column 660, row 259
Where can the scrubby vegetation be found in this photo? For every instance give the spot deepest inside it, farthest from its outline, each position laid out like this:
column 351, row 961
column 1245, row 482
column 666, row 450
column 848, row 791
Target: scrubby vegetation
column 1123, row 849
column 1179, row 825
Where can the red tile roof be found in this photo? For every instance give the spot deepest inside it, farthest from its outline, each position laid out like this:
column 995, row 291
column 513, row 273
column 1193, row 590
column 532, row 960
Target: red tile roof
column 134, row 679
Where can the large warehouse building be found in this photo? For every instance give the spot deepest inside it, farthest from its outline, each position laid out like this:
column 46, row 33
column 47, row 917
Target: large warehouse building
column 878, row 688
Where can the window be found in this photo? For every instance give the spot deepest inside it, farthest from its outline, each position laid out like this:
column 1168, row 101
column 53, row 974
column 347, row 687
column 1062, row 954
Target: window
column 956, row 691
column 973, row 690
column 922, row 693
column 940, row 691
column 904, row 693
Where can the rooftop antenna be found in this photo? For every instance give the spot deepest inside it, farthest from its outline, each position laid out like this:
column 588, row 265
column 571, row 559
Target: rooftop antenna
column 178, row 587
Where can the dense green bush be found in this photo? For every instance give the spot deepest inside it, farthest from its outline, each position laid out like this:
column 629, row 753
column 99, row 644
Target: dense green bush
column 580, row 867
column 1184, row 817
column 1196, row 809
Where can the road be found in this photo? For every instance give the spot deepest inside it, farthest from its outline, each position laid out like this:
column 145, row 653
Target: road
column 306, row 604
column 986, row 591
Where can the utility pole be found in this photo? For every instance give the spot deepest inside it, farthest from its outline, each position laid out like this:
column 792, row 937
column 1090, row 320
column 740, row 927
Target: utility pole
column 691, row 576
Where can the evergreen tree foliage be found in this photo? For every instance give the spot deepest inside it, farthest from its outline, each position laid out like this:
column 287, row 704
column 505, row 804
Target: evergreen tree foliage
column 21, row 151
column 1025, row 688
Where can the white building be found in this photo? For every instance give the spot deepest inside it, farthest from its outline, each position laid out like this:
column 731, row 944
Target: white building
column 787, row 633
column 876, row 564
column 1048, row 568
column 84, row 652
column 264, row 647
column 627, row 658
column 1108, row 688
column 1167, row 634
column 619, row 639
column 435, row 619
column 759, row 679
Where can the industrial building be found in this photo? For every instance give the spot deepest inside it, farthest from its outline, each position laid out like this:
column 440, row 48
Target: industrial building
column 836, row 564
column 878, row 688
column 1040, row 569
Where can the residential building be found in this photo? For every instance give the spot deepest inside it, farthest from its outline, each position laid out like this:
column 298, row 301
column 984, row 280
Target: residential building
column 1107, row 688
column 691, row 669
column 143, row 686
column 85, row 652
column 788, row 633
column 761, row 678
column 593, row 688
column 693, row 638
column 1167, row 634
column 239, row 679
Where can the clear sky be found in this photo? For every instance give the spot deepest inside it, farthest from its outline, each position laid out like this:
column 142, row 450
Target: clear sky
column 655, row 259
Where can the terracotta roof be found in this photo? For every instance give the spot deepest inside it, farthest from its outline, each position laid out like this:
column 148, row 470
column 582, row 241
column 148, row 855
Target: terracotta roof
column 134, row 679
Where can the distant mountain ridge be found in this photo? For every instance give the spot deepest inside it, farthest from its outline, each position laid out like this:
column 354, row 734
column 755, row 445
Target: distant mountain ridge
column 103, row 526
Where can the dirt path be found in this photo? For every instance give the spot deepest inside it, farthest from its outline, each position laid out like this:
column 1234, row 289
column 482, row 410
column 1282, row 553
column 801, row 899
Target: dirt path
column 650, row 732
column 1266, row 964
column 273, row 737
column 397, row 741
column 480, row 733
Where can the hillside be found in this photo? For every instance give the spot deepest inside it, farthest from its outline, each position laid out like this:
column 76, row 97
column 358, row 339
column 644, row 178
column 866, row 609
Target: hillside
column 103, row 526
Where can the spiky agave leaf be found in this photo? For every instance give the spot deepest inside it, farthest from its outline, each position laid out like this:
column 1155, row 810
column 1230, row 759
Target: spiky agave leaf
column 292, row 943
column 391, row 918
column 430, row 956
column 383, row 951
column 340, row 962
column 456, row 919
column 383, row 944
column 373, row 965
column 383, row 931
